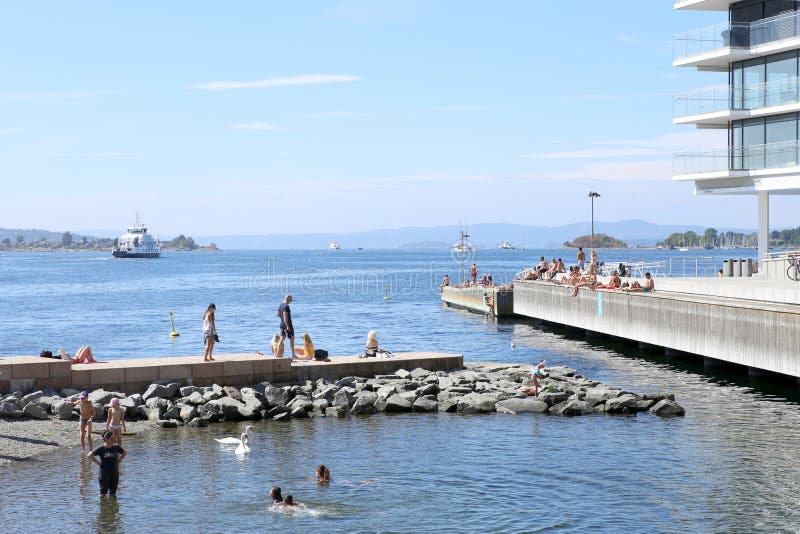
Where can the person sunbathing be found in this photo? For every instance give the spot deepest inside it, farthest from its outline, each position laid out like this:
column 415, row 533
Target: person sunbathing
column 614, row 283
column 82, row 355
column 649, row 285
column 572, row 278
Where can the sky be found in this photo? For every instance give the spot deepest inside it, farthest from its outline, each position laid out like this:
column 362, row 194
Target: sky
column 257, row 117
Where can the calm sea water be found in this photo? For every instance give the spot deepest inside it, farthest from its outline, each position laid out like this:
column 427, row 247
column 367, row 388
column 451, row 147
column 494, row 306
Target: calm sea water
column 730, row 464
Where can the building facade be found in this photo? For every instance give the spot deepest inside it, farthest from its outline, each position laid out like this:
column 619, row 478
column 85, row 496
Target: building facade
column 759, row 49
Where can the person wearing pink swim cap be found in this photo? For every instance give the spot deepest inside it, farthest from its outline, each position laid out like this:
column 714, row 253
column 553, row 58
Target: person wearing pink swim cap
column 115, row 422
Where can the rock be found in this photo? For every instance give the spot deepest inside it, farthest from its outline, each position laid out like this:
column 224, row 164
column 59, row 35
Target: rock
column 46, row 402
column 575, row 407
column 30, row 397
column 302, row 401
column 198, row 422
column 68, row 392
column 62, row 409
column 336, row 411
column 386, row 391
column 167, row 423
column 153, row 391
column 410, row 396
column 658, row 396
column 346, row 381
column 276, row 396
column 272, row 412
column 644, row 405
column 232, row 392
column 598, row 395
column 35, row 411
column 425, row 404
column 10, row 410
column 101, row 397
column 364, row 403
column 524, row 405
column 171, row 390
column 553, row 397
column 188, row 412
column 211, row 395
column 428, row 389
column 187, row 390
column 380, row 405
column 195, row 399
column 419, row 373
column 228, row 408
column 397, row 403
column 325, row 392
column 131, row 405
column 344, row 397
column 299, row 413
column 402, row 373
column 448, row 405
column 622, row 404
column 320, row 405
column 144, row 413
column 476, row 403
column 253, row 399
column 462, row 390
column 173, row 412
column 667, row 408
column 285, row 416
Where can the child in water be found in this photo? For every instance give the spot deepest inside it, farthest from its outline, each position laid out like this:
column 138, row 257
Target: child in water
column 87, row 414
column 323, row 474
column 275, row 495
column 116, row 421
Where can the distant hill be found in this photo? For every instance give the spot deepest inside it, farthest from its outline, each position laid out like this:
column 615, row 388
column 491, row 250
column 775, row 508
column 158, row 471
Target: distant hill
column 596, row 241
column 488, row 235
column 32, row 235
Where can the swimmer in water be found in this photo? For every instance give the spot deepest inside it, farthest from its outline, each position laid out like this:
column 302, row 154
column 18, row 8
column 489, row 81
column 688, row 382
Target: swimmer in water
column 275, row 495
column 289, row 501
column 323, row 474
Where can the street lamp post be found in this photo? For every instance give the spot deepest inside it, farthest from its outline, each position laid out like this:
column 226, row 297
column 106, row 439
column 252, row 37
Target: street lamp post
column 592, row 196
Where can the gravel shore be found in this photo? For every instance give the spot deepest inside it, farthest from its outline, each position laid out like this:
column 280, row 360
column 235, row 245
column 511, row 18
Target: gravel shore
column 24, row 439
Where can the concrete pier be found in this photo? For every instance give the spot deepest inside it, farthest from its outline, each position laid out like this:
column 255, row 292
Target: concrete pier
column 28, row 373
column 478, row 299
column 738, row 329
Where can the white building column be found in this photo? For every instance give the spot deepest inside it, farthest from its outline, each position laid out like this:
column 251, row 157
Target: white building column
column 763, row 226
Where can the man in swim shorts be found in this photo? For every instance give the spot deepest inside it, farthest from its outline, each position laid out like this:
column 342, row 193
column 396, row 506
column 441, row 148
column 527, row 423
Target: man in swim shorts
column 108, row 457
column 287, row 328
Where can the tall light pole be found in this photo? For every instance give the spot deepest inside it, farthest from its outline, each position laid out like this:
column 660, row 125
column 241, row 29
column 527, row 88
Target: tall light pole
column 593, row 195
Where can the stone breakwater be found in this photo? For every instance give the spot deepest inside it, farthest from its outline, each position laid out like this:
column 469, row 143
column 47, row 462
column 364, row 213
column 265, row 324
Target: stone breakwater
column 479, row 388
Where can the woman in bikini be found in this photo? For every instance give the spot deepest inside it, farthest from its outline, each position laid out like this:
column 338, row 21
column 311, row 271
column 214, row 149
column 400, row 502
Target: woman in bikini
column 209, row 332
column 82, row 355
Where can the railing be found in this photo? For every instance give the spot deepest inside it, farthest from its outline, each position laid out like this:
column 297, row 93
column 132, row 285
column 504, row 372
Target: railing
column 698, row 266
column 728, row 98
column 753, row 157
column 736, row 35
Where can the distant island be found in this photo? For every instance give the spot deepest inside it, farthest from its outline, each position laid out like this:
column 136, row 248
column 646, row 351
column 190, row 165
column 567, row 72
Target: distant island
column 598, row 241
column 186, row 243
column 33, row 240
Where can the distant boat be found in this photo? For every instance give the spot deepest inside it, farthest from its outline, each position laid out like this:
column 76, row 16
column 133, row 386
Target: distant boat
column 334, row 245
column 462, row 248
column 136, row 243
column 505, row 245
column 709, row 246
column 683, row 249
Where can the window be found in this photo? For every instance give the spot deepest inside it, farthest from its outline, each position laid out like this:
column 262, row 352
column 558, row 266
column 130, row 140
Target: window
column 781, row 79
column 781, row 137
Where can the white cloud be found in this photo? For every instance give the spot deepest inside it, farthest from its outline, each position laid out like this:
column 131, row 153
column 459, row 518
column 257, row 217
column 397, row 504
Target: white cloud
column 45, row 96
column 331, row 115
column 258, row 126
column 303, row 79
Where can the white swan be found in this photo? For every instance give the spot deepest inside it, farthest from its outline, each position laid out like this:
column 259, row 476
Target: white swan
column 234, row 441
column 243, row 447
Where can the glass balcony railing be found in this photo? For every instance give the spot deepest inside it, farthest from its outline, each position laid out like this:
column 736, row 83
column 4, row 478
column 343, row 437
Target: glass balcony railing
column 749, row 158
column 736, row 35
column 729, row 98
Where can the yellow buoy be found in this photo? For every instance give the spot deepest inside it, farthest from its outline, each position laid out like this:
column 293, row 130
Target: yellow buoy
column 174, row 333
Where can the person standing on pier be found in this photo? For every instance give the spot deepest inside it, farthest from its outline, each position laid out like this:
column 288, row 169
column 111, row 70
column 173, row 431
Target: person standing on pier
column 581, row 259
column 287, row 328
column 473, row 272
column 209, row 332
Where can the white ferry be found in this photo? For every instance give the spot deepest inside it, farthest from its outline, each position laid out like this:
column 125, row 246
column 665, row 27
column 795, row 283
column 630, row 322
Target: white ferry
column 334, row 245
column 505, row 245
column 136, row 243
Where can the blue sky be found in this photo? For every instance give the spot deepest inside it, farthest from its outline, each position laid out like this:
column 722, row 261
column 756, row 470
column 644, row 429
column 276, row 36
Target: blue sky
column 270, row 117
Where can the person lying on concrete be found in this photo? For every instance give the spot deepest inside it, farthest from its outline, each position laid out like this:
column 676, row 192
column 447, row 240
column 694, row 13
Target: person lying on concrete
column 648, row 287
column 614, row 283
column 82, row 355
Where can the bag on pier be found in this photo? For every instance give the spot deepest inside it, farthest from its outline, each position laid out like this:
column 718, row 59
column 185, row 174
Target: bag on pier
column 320, row 354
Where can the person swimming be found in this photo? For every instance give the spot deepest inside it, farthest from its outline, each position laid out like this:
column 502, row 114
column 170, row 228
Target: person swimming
column 289, row 501
column 275, row 495
column 323, row 474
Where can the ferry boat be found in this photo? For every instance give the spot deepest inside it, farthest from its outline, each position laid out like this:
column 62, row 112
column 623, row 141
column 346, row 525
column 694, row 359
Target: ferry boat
column 136, row 243
column 334, row 245
column 505, row 245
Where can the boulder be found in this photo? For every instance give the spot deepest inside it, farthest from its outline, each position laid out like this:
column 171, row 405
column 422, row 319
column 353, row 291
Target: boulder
column 285, row 416
column 171, row 390
column 299, row 413
column 188, row 412
column 272, row 412
column 276, row 396
column 384, row 392
column 62, row 409
column 212, row 394
column 419, row 373
column 167, row 423
column 173, row 412
column 450, row 405
column 622, row 404
column 30, row 397
column 131, row 405
column 45, row 402
column 344, row 398
column 300, row 402
column 425, row 404
column 153, row 391
column 336, row 411
column 667, row 408
column 524, row 405
column 195, row 399
column 320, row 405
column 575, row 407
column 346, row 381
column 598, row 395
column 101, row 397
column 410, row 396
column 445, row 382
column 198, row 422
column 476, row 403
column 397, row 403
column 402, row 373
column 380, row 405
column 35, row 411
column 364, row 403
column 326, row 392
column 232, row 392
column 10, row 410
column 553, row 397
column 253, row 399
column 187, row 390
column 226, row 407
column 644, row 405
column 428, row 389
column 658, row 396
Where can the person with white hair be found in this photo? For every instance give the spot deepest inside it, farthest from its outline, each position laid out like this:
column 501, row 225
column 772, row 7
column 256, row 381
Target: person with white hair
column 372, row 344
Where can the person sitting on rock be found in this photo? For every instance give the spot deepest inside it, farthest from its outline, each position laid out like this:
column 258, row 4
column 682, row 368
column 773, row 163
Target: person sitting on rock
column 536, row 372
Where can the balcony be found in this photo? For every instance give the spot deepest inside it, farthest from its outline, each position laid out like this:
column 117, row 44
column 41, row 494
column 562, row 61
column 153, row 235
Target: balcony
column 754, row 160
column 704, row 5
column 715, row 47
column 717, row 107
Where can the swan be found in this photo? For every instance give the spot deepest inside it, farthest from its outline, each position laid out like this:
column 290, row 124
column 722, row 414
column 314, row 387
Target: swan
column 243, row 447
column 234, row 441
column 513, row 345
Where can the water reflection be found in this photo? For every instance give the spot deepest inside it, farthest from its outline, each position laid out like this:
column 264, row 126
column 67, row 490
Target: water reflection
column 88, row 484
column 108, row 516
